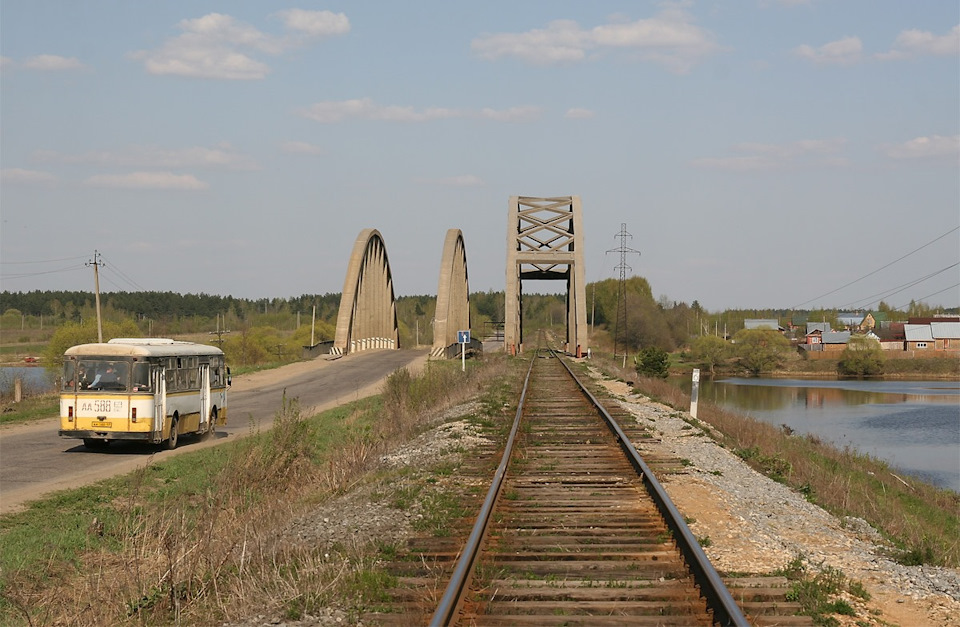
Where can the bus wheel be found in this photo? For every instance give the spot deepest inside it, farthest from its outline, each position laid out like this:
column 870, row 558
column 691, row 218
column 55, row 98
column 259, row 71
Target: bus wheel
column 174, row 436
column 212, row 429
column 94, row 443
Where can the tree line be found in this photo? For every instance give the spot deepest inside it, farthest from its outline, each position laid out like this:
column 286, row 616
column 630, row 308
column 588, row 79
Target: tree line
column 275, row 329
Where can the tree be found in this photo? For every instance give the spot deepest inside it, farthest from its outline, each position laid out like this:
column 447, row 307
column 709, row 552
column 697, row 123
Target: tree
column 760, row 350
column 862, row 357
column 72, row 333
column 653, row 362
column 709, row 351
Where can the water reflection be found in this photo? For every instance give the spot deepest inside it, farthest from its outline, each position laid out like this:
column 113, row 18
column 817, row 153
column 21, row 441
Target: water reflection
column 913, row 425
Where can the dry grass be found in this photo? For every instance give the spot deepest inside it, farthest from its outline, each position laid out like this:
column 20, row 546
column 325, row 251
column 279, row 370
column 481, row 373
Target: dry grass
column 922, row 520
column 198, row 544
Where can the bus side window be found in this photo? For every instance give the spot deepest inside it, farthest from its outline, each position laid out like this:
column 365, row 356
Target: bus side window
column 141, row 377
column 69, row 375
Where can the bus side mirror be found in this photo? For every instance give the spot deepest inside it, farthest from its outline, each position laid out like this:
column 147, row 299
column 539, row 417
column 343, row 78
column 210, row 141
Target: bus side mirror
column 229, row 378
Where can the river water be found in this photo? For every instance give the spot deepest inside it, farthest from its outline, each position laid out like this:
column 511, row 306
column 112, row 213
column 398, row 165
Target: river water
column 912, row 425
column 36, row 379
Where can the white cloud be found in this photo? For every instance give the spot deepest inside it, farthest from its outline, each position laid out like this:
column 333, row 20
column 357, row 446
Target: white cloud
column 578, row 114
column 332, row 111
column 315, row 23
column 670, row 39
column 300, row 148
column 844, row 51
column 52, row 63
column 6, row 62
column 513, row 114
column 221, row 156
column 466, row 180
column 26, row 177
column 912, row 43
column 147, row 180
column 806, row 152
column 218, row 46
column 933, row 147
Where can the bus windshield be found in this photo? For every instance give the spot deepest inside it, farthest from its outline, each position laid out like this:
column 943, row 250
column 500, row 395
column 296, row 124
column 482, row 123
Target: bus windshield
column 100, row 375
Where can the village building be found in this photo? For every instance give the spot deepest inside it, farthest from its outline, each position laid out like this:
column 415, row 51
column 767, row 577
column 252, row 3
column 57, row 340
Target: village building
column 762, row 323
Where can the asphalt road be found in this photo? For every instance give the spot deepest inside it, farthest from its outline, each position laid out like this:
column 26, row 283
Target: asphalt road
column 34, row 460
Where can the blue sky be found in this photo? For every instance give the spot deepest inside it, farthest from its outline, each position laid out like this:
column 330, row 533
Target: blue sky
column 761, row 153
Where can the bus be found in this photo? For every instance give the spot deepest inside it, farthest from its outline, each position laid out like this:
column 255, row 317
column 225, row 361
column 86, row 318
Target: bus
column 142, row 389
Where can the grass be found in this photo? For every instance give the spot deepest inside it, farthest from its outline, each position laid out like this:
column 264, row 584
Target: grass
column 920, row 520
column 192, row 540
column 819, row 593
column 30, row 408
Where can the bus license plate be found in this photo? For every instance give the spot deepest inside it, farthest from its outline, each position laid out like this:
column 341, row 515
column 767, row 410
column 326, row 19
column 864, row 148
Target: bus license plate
column 102, row 425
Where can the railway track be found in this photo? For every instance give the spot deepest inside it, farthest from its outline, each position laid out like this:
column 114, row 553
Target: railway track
column 575, row 537
column 575, row 529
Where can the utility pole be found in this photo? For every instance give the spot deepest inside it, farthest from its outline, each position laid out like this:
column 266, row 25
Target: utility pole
column 620, row 326
column 220, row 332
column 96, row 263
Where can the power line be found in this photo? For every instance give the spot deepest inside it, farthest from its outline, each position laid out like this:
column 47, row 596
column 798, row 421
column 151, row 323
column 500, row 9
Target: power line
column 878, row 269
column 24, row 275
column 896, row 290
column 126, row 278
column 11, row 263
column 928, row 296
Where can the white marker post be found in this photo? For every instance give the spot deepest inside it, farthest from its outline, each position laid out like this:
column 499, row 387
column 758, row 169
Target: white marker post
column 463, row 337
column 695, row 392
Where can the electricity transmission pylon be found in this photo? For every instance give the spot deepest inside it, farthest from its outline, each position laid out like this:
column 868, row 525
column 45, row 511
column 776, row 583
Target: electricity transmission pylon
column 620, row 325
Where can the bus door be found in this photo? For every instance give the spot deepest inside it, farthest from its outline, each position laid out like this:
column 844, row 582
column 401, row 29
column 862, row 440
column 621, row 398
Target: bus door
column 159, row 403
column 204, row 397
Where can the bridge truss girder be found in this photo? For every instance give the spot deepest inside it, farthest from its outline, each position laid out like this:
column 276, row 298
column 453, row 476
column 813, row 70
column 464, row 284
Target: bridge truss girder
column 545, row 242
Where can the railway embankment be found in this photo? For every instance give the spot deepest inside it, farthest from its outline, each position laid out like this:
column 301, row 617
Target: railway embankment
column 293, row 526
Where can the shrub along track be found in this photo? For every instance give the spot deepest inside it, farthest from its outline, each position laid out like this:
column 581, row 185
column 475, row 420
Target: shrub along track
column 575, row 537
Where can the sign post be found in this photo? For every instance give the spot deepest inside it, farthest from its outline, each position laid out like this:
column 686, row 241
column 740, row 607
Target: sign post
column 463, row 338
column 694, row 392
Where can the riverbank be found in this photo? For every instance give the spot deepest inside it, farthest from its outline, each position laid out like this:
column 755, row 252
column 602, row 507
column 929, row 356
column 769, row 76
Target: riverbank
column 919, row 519
column 939, row 368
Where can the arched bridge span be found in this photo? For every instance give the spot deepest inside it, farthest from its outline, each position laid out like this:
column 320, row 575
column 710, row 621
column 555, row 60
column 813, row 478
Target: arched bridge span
column 453, row 294
column 368, row 310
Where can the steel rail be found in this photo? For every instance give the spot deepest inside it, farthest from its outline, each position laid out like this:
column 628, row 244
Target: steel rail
column 718, row 597
column 450, row 602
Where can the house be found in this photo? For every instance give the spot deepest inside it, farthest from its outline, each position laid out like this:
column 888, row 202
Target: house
column 761, row 323
column 946, row 335
column 835, row 341
column 869, row 322
column 813, row 337
column 850, row 320
column 892, row 336
column 823, row 327
column 918, row 337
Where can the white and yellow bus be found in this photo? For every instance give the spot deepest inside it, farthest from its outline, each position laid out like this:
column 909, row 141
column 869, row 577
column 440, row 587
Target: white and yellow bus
column 143, row 389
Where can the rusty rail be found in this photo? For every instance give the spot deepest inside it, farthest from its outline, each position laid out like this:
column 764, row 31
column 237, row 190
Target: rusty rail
column 453, row 596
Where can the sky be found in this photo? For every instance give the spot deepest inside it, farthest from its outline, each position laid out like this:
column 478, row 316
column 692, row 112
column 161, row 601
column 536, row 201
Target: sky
column 760, row 153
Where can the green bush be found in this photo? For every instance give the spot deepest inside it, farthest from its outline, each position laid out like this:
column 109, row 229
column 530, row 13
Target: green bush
column 862, row 357
column 653, row 362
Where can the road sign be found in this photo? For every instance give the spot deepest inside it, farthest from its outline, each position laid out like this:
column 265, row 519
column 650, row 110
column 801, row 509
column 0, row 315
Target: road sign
column 463, row 337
